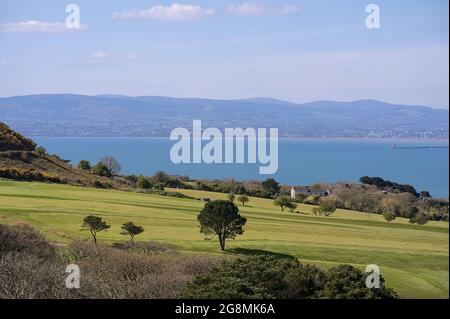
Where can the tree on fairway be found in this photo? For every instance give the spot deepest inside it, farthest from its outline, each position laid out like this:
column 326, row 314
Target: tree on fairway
column 326, row 207
column 271, row 186
column 112, row 164
column 221, row 218
column 243, row 199
column 130, row 229
column 231, row 197
column 95, row 225
column 389, row 216
column 419, row 218
column 292, row 207
column 284, row 202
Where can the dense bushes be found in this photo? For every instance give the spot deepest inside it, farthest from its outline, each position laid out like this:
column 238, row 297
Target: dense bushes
column 419, row 218
column 256, row 277
column 30, row 267
column 113, row 273
column 143, row 183
column 148, row 248
column 27, row 276
column 100, row 169
column 389, row 186
column 28, row 175
column 327, row 206
column 388, row 216
column 84, row 165
column 225, row 186
column 24, row 239
column 159, row 181
column 13, row 141
column 439, row 209
column 271, row 277
column 347, row 282
column 369, row 199
column 166, row 193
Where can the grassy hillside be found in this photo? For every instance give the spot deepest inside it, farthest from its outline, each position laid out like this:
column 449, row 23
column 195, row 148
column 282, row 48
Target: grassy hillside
column 13, row 141
column 413, row 258
column 20, row 161
column 29, row 166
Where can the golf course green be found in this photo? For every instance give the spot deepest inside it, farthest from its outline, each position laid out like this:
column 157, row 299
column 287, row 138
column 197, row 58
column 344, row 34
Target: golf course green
column 413, row 258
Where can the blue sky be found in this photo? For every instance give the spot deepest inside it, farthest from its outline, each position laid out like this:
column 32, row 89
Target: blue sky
column 294, row 50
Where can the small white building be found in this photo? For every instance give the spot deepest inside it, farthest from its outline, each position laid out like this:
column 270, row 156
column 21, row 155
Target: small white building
column 306, row 190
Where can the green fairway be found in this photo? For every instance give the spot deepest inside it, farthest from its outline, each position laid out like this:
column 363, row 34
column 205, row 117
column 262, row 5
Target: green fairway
column 413, row 259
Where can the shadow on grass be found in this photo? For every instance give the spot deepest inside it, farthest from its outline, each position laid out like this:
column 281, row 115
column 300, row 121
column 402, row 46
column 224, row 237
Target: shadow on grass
column 259, row 252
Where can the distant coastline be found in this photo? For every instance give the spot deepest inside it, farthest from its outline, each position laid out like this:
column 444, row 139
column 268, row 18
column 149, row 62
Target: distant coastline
column 59, row 115
column 301, row 161
column 369, row 139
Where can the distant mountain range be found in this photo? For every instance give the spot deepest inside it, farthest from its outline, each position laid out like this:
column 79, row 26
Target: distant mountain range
column 118, row 115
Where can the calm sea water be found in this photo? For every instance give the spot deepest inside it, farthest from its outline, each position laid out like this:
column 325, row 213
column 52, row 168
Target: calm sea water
column 301, row 161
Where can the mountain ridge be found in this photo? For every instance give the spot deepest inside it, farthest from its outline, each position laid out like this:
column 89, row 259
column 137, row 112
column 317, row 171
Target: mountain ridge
column 119, row 115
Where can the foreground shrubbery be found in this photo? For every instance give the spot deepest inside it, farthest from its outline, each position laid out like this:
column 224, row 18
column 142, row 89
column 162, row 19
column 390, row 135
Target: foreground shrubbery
column 28, row 266
column 31, row 267
column 113, row 273
column 272, row 277
column 28, row 175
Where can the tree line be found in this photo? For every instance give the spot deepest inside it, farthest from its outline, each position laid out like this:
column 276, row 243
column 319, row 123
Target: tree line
column 371, row 195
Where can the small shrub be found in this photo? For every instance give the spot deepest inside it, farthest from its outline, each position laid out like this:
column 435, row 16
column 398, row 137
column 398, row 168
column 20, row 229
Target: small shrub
column 143, row 183
column 41, row 151
column 312, row 200
column 389, row 216
column 285, row 202
column 101, row 169
column 98, row 184
column 243, row 199
column 419, row 218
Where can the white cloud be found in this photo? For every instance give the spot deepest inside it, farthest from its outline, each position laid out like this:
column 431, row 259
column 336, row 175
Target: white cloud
column 98, row 57
column 288, row 9
column 174, row 12
column 257, row 9
column 132, row 56
column 247, row 9
column 37, row 26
